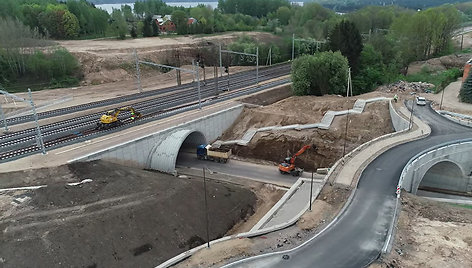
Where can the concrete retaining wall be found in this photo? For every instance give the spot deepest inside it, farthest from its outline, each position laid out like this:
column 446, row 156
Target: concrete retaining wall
column 399, row 123
column 138, row 152
column 462, row 119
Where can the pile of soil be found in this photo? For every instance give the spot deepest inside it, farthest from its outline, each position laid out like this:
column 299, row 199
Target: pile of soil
column 440, row 64
column 431, row 234
column 118, row 217
column 402, row 87
column 110, row 60
column 274, row 146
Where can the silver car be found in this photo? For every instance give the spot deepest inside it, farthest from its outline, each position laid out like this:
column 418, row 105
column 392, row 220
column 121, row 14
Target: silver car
column 420, row 101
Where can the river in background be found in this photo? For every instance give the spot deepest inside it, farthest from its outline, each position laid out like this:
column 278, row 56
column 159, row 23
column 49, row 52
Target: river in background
column 110, row 7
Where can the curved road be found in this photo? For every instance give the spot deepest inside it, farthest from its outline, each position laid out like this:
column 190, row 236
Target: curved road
column 356, row 239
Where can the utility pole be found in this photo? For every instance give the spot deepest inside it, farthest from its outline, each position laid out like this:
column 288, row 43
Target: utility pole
column 138, row 71
column 293, row 46
column 345, row 133
column 349, row 83
column 410, row 125
column 442, row 97
column 206, row 210
column 311, row 189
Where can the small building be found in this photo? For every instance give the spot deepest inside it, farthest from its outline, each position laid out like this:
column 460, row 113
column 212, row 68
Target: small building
column 165, row 23
column 192, row 21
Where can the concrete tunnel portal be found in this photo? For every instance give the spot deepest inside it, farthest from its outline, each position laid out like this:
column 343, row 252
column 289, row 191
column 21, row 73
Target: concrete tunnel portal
column 445, row 175
column 163, row 156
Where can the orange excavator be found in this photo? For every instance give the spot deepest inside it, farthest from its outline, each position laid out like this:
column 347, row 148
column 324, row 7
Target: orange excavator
column 288, row 166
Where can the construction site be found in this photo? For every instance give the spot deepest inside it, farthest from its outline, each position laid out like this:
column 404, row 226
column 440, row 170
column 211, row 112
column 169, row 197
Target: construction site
column 90, row 202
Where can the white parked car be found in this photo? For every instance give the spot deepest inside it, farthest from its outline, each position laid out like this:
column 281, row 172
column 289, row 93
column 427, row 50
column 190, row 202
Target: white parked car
column 420, row 101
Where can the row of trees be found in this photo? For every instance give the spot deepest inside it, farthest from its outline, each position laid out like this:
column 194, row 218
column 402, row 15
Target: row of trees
column 26, row 55
column 56, row 19
column 391, row 42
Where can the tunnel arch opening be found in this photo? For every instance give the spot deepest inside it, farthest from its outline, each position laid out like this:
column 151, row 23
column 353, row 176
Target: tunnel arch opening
column 444, row 176
column 163, row 156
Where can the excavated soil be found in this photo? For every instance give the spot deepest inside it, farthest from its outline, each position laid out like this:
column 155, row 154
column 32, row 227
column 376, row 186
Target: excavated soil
column 118, row 217
column 440, row 64
column 431, row 234
column 276, row 145
column 111, row 60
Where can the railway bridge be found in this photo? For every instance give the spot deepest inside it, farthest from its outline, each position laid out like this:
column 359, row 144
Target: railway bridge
column 159, row 150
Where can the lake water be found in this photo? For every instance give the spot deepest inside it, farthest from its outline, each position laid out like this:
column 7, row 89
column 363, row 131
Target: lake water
column 109, row 7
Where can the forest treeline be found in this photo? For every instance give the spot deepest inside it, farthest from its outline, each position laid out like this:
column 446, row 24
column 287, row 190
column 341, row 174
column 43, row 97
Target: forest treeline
column 392, row 36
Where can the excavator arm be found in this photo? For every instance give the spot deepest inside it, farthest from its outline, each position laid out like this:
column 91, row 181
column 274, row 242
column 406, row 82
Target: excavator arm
column 301, row 151
column 110, row 118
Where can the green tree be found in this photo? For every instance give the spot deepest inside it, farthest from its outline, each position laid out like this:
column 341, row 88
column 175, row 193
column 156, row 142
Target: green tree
column 71, row 25
column 180, row 19
column 465, row 93
column 283, row 14
column 319, row 74
column 346, row 38
column 371, row 73
column 147, row 26
column 118, row 24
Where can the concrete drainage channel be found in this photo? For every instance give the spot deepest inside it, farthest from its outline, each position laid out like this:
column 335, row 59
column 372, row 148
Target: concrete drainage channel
column 401, row 135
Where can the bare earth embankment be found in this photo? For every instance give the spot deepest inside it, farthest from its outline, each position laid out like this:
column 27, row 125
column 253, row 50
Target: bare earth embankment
column 118, row 216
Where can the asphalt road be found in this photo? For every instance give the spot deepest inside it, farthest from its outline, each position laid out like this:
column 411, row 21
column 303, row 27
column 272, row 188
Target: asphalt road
column 356, row 239
column 261, row 173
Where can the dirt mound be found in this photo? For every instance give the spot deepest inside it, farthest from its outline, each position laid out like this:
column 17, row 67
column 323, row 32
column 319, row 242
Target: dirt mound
column 431, row 234
column 123, row 217
column 402, row 87
column 109, row 60
column 440, row 64
column 276, row 145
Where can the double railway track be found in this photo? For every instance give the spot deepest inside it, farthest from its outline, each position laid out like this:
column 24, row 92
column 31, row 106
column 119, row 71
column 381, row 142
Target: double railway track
column 159, row 104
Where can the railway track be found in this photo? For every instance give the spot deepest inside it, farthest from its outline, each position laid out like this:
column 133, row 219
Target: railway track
column 168, row 102
column 136, row 96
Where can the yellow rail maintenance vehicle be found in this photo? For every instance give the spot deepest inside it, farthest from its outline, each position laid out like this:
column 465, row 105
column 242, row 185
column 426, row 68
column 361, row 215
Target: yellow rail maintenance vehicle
column 110, row 118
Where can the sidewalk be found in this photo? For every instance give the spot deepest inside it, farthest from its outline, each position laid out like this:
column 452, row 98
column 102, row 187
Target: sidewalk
column 356, row 162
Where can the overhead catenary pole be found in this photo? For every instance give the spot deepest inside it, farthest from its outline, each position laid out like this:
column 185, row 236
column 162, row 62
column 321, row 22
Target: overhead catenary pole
column 3, row 118
column 39, row 137
column 221, row 64
column 138, row 71
column 245, row 54
column 193, row 72
column 197, row 72
column 257, row 66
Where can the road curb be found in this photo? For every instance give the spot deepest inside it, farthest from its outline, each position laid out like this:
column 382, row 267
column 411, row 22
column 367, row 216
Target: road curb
column 292, row 221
